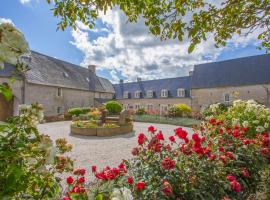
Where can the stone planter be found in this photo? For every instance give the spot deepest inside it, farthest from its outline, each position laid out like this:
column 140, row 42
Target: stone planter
column 102, row 131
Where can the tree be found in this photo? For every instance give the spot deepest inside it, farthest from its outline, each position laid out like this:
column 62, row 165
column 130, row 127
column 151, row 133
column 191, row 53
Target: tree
column 194, row 19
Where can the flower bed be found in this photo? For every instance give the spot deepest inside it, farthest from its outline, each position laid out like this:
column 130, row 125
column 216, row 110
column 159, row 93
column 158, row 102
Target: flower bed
column 220, row 161
column 92, row 129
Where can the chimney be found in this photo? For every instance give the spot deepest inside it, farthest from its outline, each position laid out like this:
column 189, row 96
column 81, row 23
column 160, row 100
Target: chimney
column 121, row 81
column 190, row 73
column 92, row 68
column 139, row 79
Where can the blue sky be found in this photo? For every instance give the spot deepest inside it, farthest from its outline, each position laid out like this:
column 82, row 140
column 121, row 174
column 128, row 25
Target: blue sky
column 118, row 50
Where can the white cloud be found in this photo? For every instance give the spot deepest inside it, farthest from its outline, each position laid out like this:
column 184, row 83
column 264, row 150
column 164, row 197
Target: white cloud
column 129, row 49
column 25, row 1
column 5, row 20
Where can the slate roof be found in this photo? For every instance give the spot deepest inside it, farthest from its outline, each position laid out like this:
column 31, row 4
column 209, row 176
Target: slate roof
column 171, row 84
column 241, row 71
column 46, row 70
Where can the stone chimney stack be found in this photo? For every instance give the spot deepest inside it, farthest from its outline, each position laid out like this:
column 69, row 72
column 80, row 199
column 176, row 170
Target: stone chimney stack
column 190, row 72
column 139, row 79
column 92, row 68
column 121, row 81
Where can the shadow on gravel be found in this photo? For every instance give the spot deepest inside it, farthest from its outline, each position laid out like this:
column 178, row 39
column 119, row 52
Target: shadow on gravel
column 128, row 135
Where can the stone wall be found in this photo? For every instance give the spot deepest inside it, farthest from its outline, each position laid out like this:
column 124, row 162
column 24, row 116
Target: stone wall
column 54, row 104
column 206, row 96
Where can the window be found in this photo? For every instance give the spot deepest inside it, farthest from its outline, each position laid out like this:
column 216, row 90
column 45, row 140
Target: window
column 150, row 93
column 137, row 106
column 227, row 97
column 163, row 109
column 137, row 94
column 126, row 95
column 181, row 92
column 150, row 107
column 59, row 110
column 164, row 93
column 59, row 92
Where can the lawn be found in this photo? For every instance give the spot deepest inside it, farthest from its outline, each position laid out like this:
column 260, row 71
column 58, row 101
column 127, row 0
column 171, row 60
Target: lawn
column 178, row 121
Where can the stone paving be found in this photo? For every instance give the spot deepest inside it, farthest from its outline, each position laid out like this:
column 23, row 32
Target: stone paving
column 101, row 151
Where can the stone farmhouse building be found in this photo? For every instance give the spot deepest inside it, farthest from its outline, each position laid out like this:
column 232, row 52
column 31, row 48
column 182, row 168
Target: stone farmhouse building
column 56, row 84
column 59, row 85
column 217, row 82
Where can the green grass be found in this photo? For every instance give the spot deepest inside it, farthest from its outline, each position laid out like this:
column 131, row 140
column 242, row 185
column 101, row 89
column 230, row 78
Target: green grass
column 178, row 121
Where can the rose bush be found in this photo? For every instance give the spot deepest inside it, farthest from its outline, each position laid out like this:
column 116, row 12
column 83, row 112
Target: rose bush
column 249, row 114
column 30, row 161
column 216, row 162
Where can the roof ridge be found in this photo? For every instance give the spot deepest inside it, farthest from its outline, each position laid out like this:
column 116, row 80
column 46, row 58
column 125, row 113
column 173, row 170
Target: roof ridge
column 154, row 80
column 233, row 59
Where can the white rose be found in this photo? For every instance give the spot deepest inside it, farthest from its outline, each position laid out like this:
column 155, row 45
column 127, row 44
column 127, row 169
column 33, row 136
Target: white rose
column 245, row 124
column 121, row 194
column 260, row 129
column 266, row 125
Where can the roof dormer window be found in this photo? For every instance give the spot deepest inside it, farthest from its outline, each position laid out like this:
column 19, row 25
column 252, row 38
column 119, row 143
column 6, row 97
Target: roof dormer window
column 149, row 94
column 126, row 95
column 181, row 92
column 164, row 93
column 137, row 94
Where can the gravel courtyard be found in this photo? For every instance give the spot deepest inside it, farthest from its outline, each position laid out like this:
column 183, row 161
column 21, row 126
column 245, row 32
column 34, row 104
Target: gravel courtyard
column 89, row 150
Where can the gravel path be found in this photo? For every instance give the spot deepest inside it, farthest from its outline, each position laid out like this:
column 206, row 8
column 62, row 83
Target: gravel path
column 89, row 150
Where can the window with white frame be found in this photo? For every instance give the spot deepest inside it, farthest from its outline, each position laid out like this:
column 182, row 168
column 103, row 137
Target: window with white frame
column 137, row 106
column 137, row 94
column 164, row 93
column 227, row 97
column 126, row 95
column 59, row 92
column 149, row 93
column 150, row 107
column 181, row 92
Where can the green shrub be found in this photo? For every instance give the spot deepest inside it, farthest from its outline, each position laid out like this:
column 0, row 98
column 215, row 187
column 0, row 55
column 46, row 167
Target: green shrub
column 78, row 111
column 114, row 107
column 214, row 109
column 140, row 111
column 179, row 110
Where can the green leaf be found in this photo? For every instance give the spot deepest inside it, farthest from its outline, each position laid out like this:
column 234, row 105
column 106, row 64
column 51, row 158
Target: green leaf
column 99, row 197
column 6, row 92
column 191, row 48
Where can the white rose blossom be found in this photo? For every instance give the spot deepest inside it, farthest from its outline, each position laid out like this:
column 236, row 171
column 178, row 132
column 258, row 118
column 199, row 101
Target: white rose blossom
column 121, row 194
column 260, row 129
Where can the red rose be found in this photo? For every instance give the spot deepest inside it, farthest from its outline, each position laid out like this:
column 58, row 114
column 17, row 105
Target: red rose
column 212, row 121
column 266, row 141
column 221, row 131
column 122, row 166
column 75, row 189
column 66, row 198
column 212, row 157
column 172, row 138
column 229, row 155
column 130, row 180
column 167, row 188
column 81, row 180
column 168, row 164
column 141, row 138
column 94, row 168
column 160, row 136
column 70, row 180
column 140, row 185
column 181, row 133
column 236, row 187
column 135, row 151
column 264, row 151
column 79, row 172
column 196, row 137
column 151, row 129
column 221, row 149
column 231, row 178
column 223, row 159
column 245, row 173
